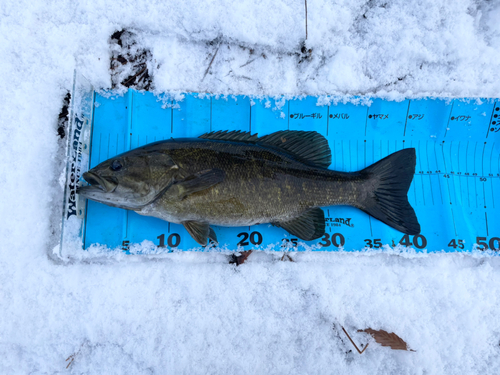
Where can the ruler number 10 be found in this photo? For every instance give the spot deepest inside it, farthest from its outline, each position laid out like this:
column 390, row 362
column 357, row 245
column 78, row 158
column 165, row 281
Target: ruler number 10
column 173, row 240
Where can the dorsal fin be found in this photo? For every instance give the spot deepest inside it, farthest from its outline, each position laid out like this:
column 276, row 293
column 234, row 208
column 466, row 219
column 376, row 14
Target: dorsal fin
column 235, row 135
column 309, row 146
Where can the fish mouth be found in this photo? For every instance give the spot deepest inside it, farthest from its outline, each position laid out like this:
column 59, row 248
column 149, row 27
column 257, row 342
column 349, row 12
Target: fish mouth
column 97, row 184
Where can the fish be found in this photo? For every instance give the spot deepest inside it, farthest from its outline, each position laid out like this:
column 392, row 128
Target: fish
column 235, row 178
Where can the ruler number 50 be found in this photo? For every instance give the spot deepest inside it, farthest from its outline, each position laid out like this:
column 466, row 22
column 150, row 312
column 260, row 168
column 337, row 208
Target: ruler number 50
column 494, row 243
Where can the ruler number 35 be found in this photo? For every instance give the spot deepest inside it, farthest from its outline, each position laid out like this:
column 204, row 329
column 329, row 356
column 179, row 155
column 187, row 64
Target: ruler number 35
column 375, row 243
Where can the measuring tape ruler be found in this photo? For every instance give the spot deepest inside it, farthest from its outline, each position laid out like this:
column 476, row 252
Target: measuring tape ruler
column 455, row 191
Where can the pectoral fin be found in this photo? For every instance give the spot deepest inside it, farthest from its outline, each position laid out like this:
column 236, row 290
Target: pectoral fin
column 308, row 226
column 194, row 183
column 200, row 232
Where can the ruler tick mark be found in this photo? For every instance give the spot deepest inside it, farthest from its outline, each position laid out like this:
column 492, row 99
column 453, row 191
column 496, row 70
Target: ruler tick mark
column 482, row 159
column 366, row 119
column 439, row 179
column 422, row 176
column 448, row 123
column 453, row 218
column 429, row 169
column 327, row 119
column 406, row 119
column 446, row 171
column 491, row 118
column 365, row 153
column 475, row 179
column 484, row 196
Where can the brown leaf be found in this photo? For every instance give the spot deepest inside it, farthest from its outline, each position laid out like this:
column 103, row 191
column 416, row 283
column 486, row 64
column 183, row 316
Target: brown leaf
column 385, row 338
column 240, row 259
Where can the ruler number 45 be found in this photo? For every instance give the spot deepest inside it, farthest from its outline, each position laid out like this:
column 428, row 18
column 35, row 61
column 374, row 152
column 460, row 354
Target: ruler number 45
column 456, row 243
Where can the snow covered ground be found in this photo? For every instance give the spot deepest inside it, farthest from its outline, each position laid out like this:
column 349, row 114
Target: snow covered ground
column 193, row 313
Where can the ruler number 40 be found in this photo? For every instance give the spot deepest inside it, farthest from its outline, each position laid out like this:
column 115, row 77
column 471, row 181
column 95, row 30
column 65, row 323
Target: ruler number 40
column 419, row 241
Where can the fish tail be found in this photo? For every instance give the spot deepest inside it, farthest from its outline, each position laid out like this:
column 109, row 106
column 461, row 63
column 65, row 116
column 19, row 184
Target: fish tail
column 386, row 189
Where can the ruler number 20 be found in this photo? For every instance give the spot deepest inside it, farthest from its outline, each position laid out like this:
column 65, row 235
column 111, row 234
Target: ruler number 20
column 255, row 238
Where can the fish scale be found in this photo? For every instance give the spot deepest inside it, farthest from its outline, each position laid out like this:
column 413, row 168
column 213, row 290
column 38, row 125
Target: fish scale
column 266, row 191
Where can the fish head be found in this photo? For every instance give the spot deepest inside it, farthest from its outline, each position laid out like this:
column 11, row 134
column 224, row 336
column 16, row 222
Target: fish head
column 130, row 180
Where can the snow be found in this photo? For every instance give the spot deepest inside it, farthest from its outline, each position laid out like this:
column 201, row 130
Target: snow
column 192, row 312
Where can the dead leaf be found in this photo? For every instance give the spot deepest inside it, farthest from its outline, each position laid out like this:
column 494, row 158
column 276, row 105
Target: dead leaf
column 385, row 338
column 240, row 259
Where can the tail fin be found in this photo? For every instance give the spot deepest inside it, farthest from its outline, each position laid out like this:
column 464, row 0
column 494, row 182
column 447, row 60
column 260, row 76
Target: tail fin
column 386, row 191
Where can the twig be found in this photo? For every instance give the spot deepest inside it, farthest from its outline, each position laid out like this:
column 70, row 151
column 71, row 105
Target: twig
column 306, row 17
column 130, row 79
column 249, row 62
column 211, row 61
column 286, row 256
column 72, row 357
column 359, row 351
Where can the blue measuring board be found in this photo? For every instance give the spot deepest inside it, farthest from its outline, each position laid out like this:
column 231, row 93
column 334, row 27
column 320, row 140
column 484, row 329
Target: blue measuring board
column 455, row 191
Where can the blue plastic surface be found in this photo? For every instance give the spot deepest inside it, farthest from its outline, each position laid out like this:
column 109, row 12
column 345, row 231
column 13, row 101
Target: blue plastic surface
column 455, row 192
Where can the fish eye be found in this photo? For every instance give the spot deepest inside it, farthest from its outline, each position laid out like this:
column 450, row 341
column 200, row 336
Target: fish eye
column 116, row 165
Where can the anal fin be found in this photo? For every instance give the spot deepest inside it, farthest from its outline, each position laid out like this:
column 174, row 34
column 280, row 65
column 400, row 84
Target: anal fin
column 308, row 226
column 211, row 235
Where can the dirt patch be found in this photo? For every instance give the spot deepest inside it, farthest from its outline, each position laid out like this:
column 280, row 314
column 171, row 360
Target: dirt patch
column 130, row 63
column 62, row 121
